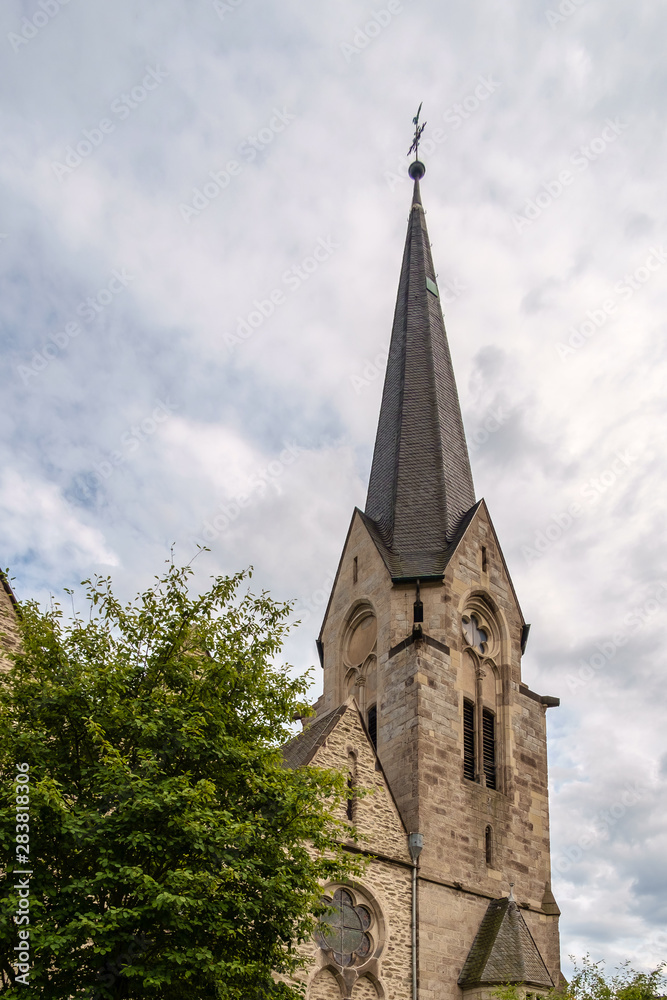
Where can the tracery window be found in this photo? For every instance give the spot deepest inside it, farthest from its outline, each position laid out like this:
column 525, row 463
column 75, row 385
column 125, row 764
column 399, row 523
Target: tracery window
column 476, row 636
column 344, row 929
column 482, row 748
column 359, row 653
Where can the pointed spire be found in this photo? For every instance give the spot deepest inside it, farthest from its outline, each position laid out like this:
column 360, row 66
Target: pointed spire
column 421, row 485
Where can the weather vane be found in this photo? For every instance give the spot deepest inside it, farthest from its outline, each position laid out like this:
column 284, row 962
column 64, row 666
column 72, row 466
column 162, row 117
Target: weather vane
column 418, row 133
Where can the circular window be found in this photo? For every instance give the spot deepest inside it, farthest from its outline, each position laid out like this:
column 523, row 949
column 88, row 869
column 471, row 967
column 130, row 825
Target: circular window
column 361, row 637
column 344, row 929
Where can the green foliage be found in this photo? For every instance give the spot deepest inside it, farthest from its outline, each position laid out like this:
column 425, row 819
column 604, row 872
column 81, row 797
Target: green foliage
column 173, row 854
column 591, row 982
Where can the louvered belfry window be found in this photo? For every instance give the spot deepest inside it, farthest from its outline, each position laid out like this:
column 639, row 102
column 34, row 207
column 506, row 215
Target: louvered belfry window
column 469, row 740
column 489, row 747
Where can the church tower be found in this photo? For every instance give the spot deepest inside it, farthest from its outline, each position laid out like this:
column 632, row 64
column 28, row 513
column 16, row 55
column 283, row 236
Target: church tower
column 424, row 635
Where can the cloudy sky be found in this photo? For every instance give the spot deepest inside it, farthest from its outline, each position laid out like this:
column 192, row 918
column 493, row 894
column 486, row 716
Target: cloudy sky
column 204, row 207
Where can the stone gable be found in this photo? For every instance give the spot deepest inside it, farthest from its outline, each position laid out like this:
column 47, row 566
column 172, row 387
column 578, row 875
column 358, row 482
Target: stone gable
column 9, row 633
column 376, row 815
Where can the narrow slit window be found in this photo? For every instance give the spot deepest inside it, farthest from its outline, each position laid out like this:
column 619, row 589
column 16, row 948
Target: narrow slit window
column 351, row 786
column 488, row 846
column 355, row 569
column 489, row 747
column 469, row 740
column 372, row 719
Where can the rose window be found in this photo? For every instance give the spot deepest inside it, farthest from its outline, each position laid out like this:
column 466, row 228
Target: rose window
column 343, row 929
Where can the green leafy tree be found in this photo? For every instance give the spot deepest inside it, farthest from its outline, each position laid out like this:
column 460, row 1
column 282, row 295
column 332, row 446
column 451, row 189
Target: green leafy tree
column 591, row 982
column 173, row 855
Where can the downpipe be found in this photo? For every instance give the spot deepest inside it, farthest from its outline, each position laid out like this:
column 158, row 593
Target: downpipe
column 415, row 845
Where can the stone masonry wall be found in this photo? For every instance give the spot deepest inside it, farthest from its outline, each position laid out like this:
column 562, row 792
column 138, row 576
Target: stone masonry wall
column 9, row 635
column 386, row 883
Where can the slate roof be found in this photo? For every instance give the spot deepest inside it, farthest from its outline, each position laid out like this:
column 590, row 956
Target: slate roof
column 414, row 565
column 504, row 951
column 301, row 750
column 420, row 485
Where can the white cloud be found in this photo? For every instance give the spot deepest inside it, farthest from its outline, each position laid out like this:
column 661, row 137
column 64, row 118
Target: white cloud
column 36, row 519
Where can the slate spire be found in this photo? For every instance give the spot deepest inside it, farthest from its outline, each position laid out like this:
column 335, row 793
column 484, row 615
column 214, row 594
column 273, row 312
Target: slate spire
column 421, row 485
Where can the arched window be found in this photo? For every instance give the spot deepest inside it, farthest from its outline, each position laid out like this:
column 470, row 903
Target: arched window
column 359, row 645
column 479, row 683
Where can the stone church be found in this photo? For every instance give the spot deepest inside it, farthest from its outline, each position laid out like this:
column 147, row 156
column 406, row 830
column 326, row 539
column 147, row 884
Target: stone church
column 424, row 703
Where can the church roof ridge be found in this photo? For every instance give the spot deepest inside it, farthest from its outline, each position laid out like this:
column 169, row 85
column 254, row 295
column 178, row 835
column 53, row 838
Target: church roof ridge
column 420, row 486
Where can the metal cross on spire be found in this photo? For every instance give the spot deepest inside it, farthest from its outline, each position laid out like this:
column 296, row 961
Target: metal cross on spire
column 418, row 133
